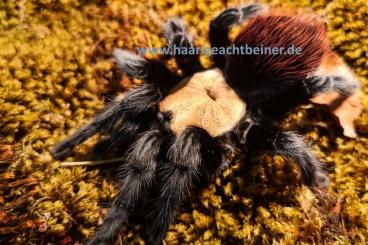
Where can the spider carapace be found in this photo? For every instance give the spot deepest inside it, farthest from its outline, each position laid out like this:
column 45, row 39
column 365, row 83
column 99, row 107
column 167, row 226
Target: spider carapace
column 206, row 101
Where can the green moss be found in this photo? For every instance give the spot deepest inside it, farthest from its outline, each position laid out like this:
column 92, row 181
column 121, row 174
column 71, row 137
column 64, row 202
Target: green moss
column 54, row 69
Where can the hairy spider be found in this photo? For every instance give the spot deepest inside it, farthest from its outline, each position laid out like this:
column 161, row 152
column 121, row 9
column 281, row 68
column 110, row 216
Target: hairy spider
column 181, row 129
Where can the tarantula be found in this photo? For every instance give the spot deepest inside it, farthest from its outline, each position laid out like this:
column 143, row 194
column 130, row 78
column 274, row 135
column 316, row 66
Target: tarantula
column 181, row 129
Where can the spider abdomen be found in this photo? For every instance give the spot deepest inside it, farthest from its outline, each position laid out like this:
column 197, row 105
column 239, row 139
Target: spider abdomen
column 206, row 101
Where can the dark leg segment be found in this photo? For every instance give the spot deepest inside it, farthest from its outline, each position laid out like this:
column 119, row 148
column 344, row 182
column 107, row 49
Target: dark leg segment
column 292, row 146
column 275, row 100
column 178, row 39
column 123, row 117
column 320, row 84
column 219, row 27
column 270, row 101
column 152, row 71
column 188, row 156
column 116, row 114
column 137, row 177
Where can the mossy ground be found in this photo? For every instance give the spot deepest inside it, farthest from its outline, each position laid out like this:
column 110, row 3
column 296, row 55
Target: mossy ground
column 55, row 71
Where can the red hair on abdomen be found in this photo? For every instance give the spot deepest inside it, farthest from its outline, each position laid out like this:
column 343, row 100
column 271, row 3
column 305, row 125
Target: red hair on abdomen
column 307, row 32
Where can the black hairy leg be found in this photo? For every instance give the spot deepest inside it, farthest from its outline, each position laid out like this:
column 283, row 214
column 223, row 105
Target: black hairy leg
column 291, row 146
column 186, row 164
column 123, row 132
column 319, row 84
column 123, row 117
column 119, row 138
column 117, row 118
column 152, row 71
column 115, row 142
column 220, row 25
column 274, row 100
column 178, row 39
column 137, row 175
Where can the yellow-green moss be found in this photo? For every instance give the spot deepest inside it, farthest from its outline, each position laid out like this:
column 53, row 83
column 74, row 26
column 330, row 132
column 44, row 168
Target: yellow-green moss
column 54, row 66
column 48, row 87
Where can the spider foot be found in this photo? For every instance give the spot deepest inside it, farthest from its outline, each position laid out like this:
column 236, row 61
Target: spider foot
column 320, row 84
column 180, row 45
column 250, row 10
column 176, row 34
column 155, row 238
column 321, row 180
column 133, row 65
column 234, row 16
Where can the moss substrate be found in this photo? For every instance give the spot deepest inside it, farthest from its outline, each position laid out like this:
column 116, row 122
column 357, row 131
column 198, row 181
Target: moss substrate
column 55, row 70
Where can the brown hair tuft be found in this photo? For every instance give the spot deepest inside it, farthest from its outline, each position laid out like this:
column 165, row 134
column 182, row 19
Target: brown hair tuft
column 307, row 32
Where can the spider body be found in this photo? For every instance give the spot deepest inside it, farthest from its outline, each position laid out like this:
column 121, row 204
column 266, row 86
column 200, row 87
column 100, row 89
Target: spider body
column 204, row 100
column 179, row 130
